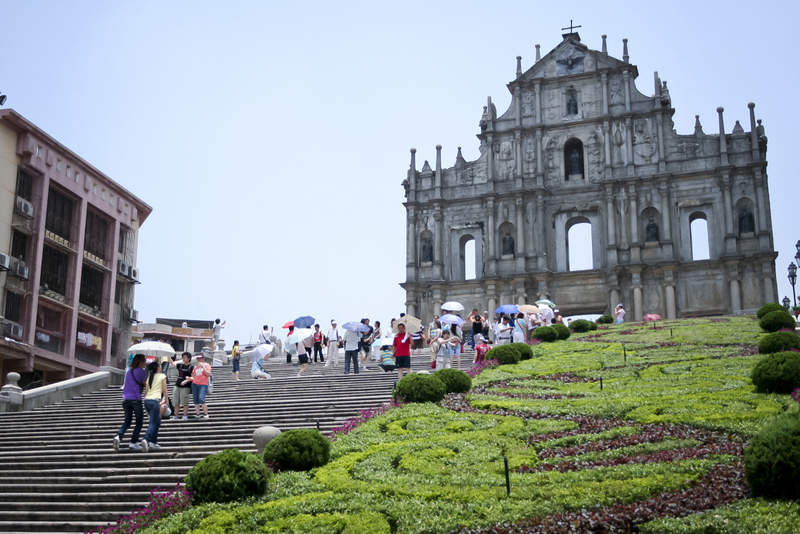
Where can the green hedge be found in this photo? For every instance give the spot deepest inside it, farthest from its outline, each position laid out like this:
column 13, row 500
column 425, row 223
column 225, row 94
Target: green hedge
column 505, row 354
column 768, row 308
column 582, row 325
column 230, row 475
column 298, row 450
column 545, row 333
column 778, row 342
column 605, row 319
column 420, row 387
column 777, row 373
column 772, row 459
column 455, row 380
column 562, row 331
column 525, row 351
column 777, row 320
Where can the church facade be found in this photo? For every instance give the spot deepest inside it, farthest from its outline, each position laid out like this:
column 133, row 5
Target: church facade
column 579, row 144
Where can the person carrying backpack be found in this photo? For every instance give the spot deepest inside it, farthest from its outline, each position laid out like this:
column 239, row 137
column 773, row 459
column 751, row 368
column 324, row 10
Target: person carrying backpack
column 132, row 403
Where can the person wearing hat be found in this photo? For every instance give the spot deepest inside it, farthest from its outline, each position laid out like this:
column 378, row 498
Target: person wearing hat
column 201, row 374
column 619, row 311
column 504, row 331
column 481, row 348
column 334, row 342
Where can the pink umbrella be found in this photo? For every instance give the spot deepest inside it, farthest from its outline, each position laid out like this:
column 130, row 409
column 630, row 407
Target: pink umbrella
column 652, row 317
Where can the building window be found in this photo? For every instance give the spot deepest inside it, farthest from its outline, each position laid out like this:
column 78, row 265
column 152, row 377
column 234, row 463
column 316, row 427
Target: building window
column 54, row 270
column 39, row 152
column 59, row 214
column 77, row 176
column 13, row 311
column 579, row 245
column 698, row 231
column 466, row 257
column 24, row 185
column 19, row 245
column 58, row 164
column 69, row 171
column 91, row 287
column 127, row 240
column 96, row 235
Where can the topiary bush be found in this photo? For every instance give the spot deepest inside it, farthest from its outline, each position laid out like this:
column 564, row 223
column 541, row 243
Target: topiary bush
column 545, row 333
column 455, row 380
column 772, row 459
column 230, row 475
column 605, row 319
column 562, row 331
column 767, row 308
column 298, row 450
column 778, row 342
column 581, row 325
column 593, row 326
column 505, row 354
column 418, row 387
column 525, row 351
column 775, row 320
column 777, row 373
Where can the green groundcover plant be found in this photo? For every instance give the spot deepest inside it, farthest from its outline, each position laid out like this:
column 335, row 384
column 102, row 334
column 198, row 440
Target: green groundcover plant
column 663, row 438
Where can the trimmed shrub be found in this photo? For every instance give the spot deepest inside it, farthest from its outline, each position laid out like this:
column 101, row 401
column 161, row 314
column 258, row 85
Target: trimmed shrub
column 505, row 354
column 230, row 475
column 298, row 450
column 777, row 373
column 593, row 326
column 581, row 325
column 562, row 331
column 772, row 459
column 455, row 380
column 418, row 387
column 525, row 351
column 605, row 319
column 767, row 308
column 774, row 321
column 778, row 342
column 545, row 333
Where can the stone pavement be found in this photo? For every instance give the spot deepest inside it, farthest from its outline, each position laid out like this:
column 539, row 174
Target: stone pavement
column 59, row 472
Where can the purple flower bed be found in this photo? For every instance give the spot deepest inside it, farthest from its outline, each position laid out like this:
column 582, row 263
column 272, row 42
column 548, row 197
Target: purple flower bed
column 478, row 367
column 364, row 416
column 163, row 503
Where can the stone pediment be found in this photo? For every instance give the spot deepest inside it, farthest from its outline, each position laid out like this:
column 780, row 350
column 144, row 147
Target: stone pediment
column 571, row 57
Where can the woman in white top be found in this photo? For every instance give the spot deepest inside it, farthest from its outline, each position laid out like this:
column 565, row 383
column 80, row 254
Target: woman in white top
column 154, row 398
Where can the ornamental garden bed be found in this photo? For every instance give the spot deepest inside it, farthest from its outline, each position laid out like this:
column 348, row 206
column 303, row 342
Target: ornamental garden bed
column 625, row 429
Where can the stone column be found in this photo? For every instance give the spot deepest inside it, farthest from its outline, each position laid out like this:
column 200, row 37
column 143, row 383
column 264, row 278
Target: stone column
column 736, row 299
column 518, row 107
column 539, row 165
column 412, row 177
column 437, row 192
column 490, row 238
column 613, row 293
column 723, row 144
column 491, row 306
column 604, row 83
column 629, row 146
column 537, row 89
column 611, row 227
column 519, row 162
column 662, row 164
column 727, row 208
column 520, row 241
column 669, row 291
column 626, row 83
column 542, row 233
column 437, row 241
column 666, row 225
column 762, row 208
column 636, row 278
column 754, row 132
column 623, row 223
column 607, row 135
column 411, row 308
column 636, row 252
column 490, row 158
column 769, row 285
column 411, row 244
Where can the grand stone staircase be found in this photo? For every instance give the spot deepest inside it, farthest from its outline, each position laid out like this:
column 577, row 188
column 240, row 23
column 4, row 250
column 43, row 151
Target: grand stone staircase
column 59, row 472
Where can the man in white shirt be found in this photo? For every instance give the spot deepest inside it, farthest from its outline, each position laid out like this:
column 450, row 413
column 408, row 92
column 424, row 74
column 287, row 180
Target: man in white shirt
column 264, row 336
column 504, row 330
column 217, row 329
column 351, row 347
column 333, row 345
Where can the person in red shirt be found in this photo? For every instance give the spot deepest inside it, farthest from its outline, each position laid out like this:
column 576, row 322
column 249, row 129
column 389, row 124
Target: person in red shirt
column 481, row 348
column 318, row 339
column 401, row 351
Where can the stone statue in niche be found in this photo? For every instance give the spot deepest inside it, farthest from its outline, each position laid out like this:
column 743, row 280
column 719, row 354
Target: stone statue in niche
column 508, row 244
column 618, row 142
column 596, row 155
column 427, row 249
column 572, row 105
column 746, row 220
column 651, row 231
column 575, row 162
column 527, row 103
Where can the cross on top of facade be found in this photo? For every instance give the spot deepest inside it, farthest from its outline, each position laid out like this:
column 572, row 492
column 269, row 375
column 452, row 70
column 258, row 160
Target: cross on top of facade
column 571, row 26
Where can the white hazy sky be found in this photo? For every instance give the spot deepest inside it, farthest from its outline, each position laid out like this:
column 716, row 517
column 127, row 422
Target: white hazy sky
column 271, row 138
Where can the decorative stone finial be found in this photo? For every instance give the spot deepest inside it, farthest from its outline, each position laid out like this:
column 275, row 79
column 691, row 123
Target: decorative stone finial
column 698, row 128
column 605, row 46
column 723, row 141
column 625, row 56
column 263, row 435
column 13, row 378
column 519, row 66
column 751, row 105
column 538, row 53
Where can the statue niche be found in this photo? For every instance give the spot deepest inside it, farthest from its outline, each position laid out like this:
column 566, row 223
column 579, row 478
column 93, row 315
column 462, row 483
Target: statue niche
column 508, row 244
column 651, row 231
column 572, row 105
column 746, row 219
column 573, row 159
column 427, row 249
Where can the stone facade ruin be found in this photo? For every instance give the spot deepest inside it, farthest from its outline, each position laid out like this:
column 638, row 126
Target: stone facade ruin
column 580, row 144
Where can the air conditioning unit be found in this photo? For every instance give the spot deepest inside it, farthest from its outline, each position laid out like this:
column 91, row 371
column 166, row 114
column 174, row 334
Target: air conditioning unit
column 123, row 268
column 24, row 207
column 12, row 329
column 21, row 270
column 134, row 274
column 5, row 262
column 134, row 315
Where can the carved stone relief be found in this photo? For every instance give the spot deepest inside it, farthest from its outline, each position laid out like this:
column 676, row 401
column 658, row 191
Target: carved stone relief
column 595, row 149
column 504, row 161
column 527, row 103
column 616, row 95
column 619, row 150
column 529, row 155
column 591, row 100
column 551, row 162
column 569, row 61
column 644, row 141
column 553, row 105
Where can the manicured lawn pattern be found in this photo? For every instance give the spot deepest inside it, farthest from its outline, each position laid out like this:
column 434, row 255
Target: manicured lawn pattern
column 664, row 437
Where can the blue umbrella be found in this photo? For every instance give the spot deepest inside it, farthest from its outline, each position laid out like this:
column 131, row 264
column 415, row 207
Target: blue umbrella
column 507, row 309
column 305, row 321
column 355, row 326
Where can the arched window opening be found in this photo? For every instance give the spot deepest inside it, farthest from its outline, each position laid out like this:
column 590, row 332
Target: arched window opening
column 573, row 159
column 698, row 228
column 468, row 260
column 579, row 245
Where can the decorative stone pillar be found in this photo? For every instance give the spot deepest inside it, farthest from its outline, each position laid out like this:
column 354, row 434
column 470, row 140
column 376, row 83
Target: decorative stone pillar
column 754, row 133
column 629, row 146
column 613, row 292
column 669, row 294
column 437, row 191
column 626, row 83
column 490, row 238
column 604, row 83
column 537, row 89
column 412, row 177
column 607, row 135
column 411, row 308
column 541, row 225
column 769, row 285
column 635, row 246
column 530, row 233
column 490, row 161
column 539, row 165
column 727, row 208
column 518, row 167
column 636, row 279
column 611, row 227
column 518, row 107
column 520, row 241
column 662, row 164
column 723, row 143
column 437, row 242
column 762, row 208
column 736, row 299
column 666, row 225
column 623, row 221
column 411, row 244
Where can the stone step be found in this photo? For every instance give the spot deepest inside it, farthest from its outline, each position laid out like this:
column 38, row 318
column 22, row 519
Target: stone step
column 87, row 498
column 12, row 527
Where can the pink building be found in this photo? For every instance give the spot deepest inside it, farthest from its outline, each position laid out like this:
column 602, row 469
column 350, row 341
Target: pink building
column 68, row 240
